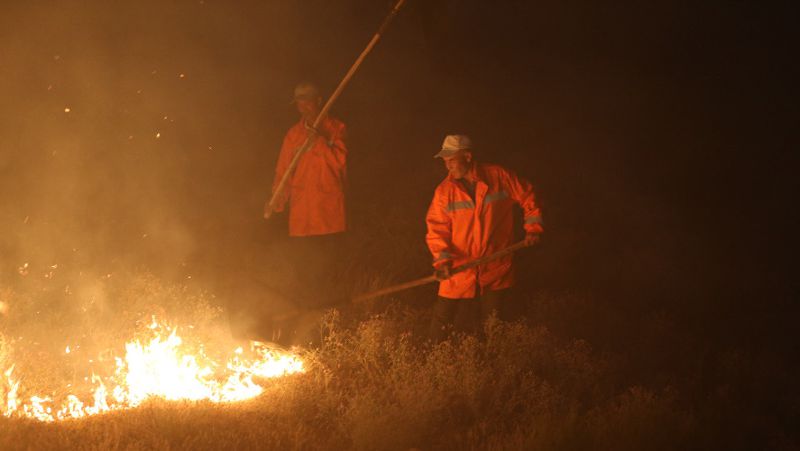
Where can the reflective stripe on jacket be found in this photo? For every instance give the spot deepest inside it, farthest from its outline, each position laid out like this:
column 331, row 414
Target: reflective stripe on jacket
column 315, row 191
column 462, row 229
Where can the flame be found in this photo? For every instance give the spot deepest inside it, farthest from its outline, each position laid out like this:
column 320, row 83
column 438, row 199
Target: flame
column 161, row 367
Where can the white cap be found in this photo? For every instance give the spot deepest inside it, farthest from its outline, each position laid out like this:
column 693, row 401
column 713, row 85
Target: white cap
column 452, row 144
column 306, row 91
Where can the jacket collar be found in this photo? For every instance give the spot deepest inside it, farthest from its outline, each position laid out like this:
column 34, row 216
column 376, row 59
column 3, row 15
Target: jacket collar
column 475, row 172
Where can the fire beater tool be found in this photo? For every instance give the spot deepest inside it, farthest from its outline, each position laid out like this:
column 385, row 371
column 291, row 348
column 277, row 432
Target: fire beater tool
column 308, row 142
column 432, row 278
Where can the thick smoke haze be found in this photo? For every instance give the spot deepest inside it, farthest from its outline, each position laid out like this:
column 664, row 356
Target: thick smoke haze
column 138, row 144
column 145, row 134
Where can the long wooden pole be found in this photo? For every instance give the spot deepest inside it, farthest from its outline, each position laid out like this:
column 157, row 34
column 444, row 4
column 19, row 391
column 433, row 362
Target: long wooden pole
column 432, row 278
column 309, row 141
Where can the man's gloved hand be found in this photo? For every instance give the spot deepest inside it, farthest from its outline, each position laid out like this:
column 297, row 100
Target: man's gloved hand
column 531, row 239
column 311, row 132
column 444, row 272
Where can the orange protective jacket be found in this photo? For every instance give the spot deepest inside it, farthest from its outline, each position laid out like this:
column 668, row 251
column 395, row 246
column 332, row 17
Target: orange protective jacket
column 461, row 228
column 315, row 191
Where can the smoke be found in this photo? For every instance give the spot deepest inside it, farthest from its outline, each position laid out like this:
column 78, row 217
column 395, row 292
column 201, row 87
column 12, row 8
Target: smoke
column 123, row 127
column 144, row 135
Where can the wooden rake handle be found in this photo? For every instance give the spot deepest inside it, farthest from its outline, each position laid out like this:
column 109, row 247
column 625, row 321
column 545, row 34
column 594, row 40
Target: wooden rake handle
column 432, row 278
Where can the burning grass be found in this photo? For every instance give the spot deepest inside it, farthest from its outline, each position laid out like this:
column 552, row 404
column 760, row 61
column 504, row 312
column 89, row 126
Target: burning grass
column 61, row 372
column 371, row 384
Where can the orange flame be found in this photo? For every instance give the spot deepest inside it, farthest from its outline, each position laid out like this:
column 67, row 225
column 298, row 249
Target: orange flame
column 160, row 368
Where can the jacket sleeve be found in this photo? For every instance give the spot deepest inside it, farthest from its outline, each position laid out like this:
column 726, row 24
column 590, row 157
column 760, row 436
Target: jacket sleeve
column 522, row 192
column 440, row 231
column 284, row 159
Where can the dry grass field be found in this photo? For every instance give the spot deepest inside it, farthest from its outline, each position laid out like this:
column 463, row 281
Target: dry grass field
column 375, row 383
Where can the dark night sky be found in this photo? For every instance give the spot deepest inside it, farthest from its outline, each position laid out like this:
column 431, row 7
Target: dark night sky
column 657, row 135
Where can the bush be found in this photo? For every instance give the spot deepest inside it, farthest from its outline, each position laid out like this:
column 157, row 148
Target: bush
column 518, row 385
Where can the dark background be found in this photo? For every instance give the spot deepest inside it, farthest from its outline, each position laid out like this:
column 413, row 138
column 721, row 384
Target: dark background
column 657, row 135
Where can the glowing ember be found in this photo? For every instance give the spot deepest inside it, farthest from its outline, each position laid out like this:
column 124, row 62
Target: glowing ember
column 160, row 367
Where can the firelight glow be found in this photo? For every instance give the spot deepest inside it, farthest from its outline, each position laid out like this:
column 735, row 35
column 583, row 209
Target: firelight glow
column 160, row 367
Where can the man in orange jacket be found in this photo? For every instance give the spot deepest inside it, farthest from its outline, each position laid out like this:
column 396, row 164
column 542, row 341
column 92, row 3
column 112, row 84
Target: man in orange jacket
column 315, row 191
column 471, row 216
column 315, row 196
